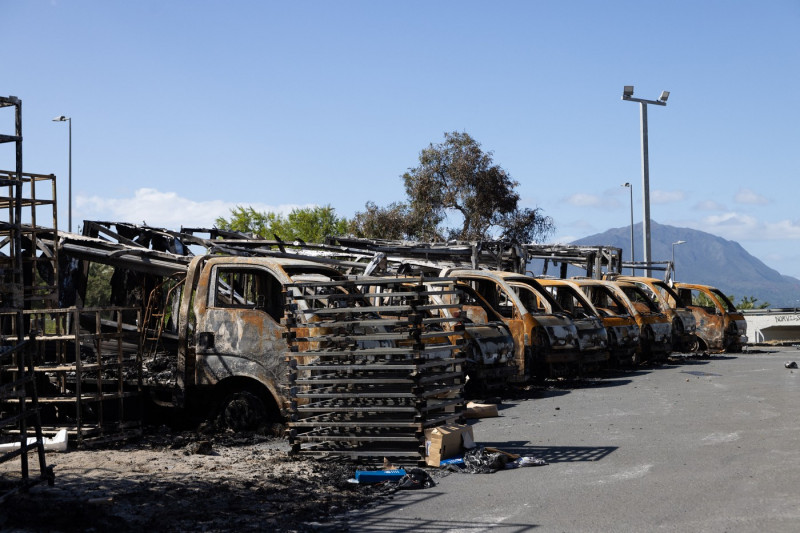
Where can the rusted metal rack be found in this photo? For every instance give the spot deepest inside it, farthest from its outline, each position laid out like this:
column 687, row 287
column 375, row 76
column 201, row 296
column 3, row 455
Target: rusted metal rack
column 88, row 368
column 593, row 261
column 20, row 385
column 38, row 287
column 373, row 363
column 358, row 255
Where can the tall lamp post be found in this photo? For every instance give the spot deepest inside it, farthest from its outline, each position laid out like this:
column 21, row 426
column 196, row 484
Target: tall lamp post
column 62, row 118
column 633, row 255
column 627, row 94
column 674, row 244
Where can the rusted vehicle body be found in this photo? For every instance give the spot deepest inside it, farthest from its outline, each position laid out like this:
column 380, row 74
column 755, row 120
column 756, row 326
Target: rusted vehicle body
column 545, row 338
column 655, row 337
column 682, row 318
column 231, row 341
column 621, row 327
column 720, row 326
column 592, row 335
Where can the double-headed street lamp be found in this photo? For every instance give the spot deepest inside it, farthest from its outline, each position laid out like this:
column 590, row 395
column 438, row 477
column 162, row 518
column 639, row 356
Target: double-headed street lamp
column 627, row 94
column 62, row 118
column 674, row 244
column 633, row 256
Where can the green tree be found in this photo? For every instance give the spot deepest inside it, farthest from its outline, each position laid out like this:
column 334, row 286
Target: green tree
column 382, row 222
column 98, row 285
column 749, row 302
column 310, row 224
column 456, row 180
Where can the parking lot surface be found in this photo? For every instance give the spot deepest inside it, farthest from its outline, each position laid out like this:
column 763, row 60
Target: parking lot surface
column 698, row 444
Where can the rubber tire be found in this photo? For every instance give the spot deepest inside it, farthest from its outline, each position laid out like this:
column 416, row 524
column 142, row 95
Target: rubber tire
column 243, row 411
column 693, row 346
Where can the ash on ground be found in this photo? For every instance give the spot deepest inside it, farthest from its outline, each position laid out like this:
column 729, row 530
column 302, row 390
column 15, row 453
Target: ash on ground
column 188, row 481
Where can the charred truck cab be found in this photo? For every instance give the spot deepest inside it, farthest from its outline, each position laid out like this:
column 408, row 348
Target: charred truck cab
column 720, row 326
column 682, row 318
column 655, row 339
column 545, row 338
column 231, row 340
column 592, row 335
column 621, row 327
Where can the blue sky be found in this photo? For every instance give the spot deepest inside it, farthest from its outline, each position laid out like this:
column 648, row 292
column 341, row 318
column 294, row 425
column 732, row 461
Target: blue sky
column 184, row 109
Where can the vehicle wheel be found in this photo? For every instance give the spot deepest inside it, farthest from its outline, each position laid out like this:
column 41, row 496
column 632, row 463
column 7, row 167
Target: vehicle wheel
column 646, row 346
column 677, row 335
column 693, row 346
column 541, row 370
column 474, row 387
column 243, row 411
column 613, row 351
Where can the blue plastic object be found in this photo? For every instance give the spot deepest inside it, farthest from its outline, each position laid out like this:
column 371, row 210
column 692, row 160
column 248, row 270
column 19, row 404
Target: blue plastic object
column 376, row 476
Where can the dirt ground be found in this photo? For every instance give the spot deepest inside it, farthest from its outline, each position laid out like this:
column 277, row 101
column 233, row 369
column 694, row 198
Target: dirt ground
column 186, row 481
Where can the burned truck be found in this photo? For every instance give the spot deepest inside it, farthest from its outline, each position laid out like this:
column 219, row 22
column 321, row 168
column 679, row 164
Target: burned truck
column 546, row 339
column 720, row 326
column 664, row 296
column 213, row 332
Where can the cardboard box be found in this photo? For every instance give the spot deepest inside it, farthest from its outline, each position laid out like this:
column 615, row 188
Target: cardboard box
column 444, row 442
column 481, row 410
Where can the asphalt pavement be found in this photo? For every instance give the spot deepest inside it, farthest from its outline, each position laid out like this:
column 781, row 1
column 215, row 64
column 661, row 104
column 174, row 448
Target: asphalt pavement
column 700, row 444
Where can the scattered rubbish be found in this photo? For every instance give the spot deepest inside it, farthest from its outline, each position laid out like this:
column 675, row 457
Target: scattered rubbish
column 526, row 460
column 481, row 461
column 791, row 364
column 480, row 410
column 487, row 460
column 509, row 454
column 376, row 476
column 58, row 443
column 416, row 478
column 444, row 442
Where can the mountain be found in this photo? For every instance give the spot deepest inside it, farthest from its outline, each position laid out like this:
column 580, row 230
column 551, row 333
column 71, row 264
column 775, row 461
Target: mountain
column 706, row 259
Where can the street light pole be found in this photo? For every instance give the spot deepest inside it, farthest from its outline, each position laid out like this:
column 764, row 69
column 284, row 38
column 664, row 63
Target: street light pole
column 627, row 94
column 62, row 118
column 674, row 276
column 633, row 255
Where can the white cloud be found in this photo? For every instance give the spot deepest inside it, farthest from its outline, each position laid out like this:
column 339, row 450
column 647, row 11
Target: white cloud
column 709, row 205
column 584, row 200
column 749, row 197
column 666, row 197
column 736, row 226
column 162, row 209
column 783, row 229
